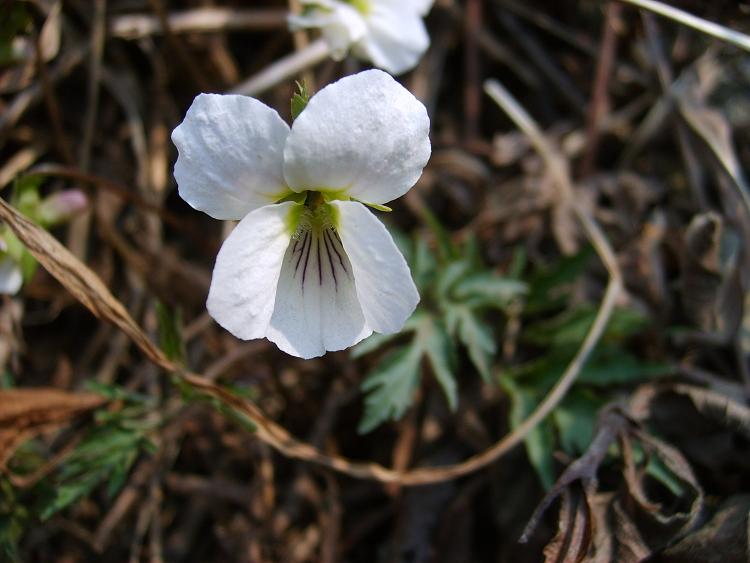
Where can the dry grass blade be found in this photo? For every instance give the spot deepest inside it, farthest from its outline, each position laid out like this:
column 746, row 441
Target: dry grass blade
column 709, row 28
column 25, row 412
column 84, row 284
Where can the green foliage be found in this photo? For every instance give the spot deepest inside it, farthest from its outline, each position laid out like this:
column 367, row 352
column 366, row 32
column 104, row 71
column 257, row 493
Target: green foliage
column 557, row 336
column 107, row 452
column 103, row 458
column 458, row 292
column 170, row 332
column 299, row 99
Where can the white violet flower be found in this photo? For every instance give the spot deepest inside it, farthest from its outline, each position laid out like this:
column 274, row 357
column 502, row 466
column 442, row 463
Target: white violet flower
column 390, row 33
column 308, row 266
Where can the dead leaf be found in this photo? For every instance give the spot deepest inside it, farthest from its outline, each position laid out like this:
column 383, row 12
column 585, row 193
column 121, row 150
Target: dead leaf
column 723, row 539
column 701, row 270
column 616, row 537
column 573, row 537
column 27, row 412
column 610, row 425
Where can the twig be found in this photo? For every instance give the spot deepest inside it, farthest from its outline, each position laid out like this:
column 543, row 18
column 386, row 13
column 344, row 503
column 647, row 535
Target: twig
column 199, row 20
column 685, row 18
column 472, row 94
column 283, row 69
column 78, row 233
column 34, row 93
column 600, row 103
column 53, row 109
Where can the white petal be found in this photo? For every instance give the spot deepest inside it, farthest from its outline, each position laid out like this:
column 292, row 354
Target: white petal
column 230, row 155
column 385, row 288
column 11, row 278
column 316, row 306
column 365, row 134
column 246, row 274
column 396, row 37
column 340, row 24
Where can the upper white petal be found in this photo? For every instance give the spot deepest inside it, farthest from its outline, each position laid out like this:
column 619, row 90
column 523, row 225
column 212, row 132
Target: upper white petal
column 385, row 288
column 340, row 24
column 246, row 274
column 316, row 307
column 11, row 278
column 365, row 133
column 396, row 36
column 230, row 155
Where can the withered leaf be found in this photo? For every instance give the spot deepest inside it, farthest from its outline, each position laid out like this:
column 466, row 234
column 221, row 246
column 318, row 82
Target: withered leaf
column 723, row 539
column 573, row 537
column 26, row 412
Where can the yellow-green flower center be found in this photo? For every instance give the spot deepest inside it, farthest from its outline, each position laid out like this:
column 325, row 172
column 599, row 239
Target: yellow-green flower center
column 362, row 6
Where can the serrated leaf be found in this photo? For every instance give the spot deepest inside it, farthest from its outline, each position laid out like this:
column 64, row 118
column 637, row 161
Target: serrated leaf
column 489, row 290
column 391, row 387
column 448, row 277
column 539, row 441
column 440, row 352
column 372, row 343
column 478, row 339
column 570, row 327
column 549, row 288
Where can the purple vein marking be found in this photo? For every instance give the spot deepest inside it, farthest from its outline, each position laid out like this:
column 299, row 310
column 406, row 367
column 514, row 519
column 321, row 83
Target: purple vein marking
column 330, row 262
column 336, row 250
column 320, row 265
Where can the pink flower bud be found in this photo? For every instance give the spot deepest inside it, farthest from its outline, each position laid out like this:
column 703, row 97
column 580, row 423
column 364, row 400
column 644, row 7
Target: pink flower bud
column 61, row 207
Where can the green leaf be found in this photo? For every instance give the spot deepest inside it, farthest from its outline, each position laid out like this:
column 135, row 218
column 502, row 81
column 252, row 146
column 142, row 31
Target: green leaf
column 489, row 290
column 372, row 343
column 391, row 385
column 570, row 327
column 538, row 442
column 478, row 339
column 575, row 420
column 448, row 277
column 549, row 288
column 424, row 265
column 299, row 99
column 611, row 365
column 441, row 354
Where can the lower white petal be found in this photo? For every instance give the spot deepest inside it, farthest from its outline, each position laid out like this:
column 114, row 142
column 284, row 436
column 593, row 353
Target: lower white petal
column 246, row 274
column 316, row 308
column 11, row 278
column 384, row 285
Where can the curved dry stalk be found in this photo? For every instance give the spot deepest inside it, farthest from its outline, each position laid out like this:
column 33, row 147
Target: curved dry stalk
column 86, row 286
column 686, row 18
column 283, row 69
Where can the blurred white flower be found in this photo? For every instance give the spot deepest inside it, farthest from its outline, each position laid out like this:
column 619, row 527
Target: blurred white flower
column 308, row 266
column 390, row 33
column 11, row 277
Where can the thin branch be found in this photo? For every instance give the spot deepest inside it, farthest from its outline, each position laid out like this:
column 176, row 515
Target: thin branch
column 199, row 20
